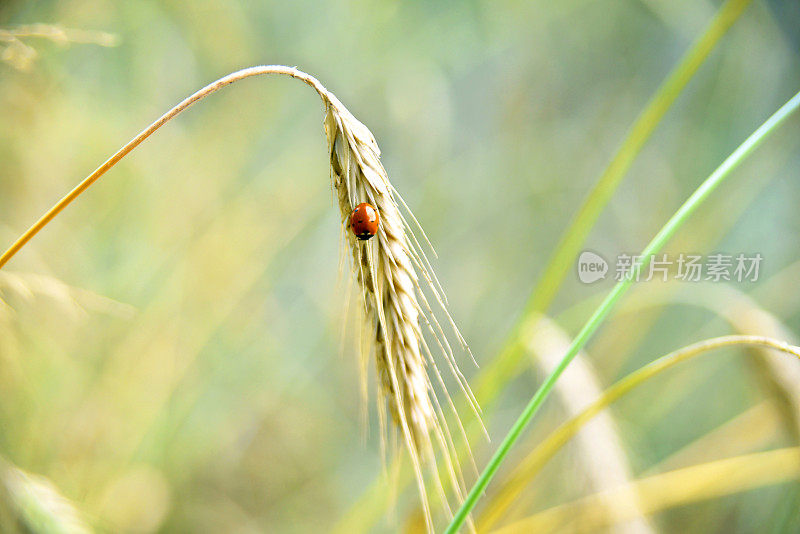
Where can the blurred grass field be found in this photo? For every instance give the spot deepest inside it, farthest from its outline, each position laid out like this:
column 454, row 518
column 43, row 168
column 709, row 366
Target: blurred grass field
column 170, row 346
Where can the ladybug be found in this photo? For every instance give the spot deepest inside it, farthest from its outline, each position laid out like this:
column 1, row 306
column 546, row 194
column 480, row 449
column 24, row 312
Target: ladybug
column 364, row 221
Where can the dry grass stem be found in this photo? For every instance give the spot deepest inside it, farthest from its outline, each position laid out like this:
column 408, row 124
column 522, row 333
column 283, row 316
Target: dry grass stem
column 599, row 444
column 386, row 268
column 20, row 55
column 36, row 505
column 667, row 490
column 539, row 456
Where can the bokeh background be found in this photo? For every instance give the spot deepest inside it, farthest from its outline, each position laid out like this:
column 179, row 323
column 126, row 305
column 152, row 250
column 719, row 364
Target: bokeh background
column 171, row 346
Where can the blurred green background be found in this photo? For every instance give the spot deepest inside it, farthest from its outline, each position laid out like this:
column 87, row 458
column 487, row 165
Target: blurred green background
column 170, row 346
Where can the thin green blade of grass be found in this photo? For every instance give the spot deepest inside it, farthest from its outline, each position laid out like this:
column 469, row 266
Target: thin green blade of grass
column 570, row 244
column 574, row 237
column 670, row 228
column 539, row 456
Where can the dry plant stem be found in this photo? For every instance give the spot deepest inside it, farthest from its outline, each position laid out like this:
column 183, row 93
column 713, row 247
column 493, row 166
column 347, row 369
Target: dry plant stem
column 58, row 35
column 395, row 308
column 147, row 132
column 602, row 456
column 491, row 379
column 533, row 463
column 34, row 504
column 15, row 50
column 662, row 491
column 781, row 377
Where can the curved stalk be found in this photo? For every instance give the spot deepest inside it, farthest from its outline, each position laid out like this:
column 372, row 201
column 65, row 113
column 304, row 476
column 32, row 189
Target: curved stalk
column 601, row 313
column 539, row 456
column 506, row 364
column 147, row 132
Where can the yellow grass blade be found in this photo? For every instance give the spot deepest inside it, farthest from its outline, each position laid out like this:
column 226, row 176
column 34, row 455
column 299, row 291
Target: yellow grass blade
column 667, row 490
column 532, row 464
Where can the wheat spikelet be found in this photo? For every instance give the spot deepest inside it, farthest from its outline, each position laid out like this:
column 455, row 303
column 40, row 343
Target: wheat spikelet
column 393, row 302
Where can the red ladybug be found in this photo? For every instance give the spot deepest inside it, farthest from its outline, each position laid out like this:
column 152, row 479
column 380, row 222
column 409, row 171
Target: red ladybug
column 364, row 221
